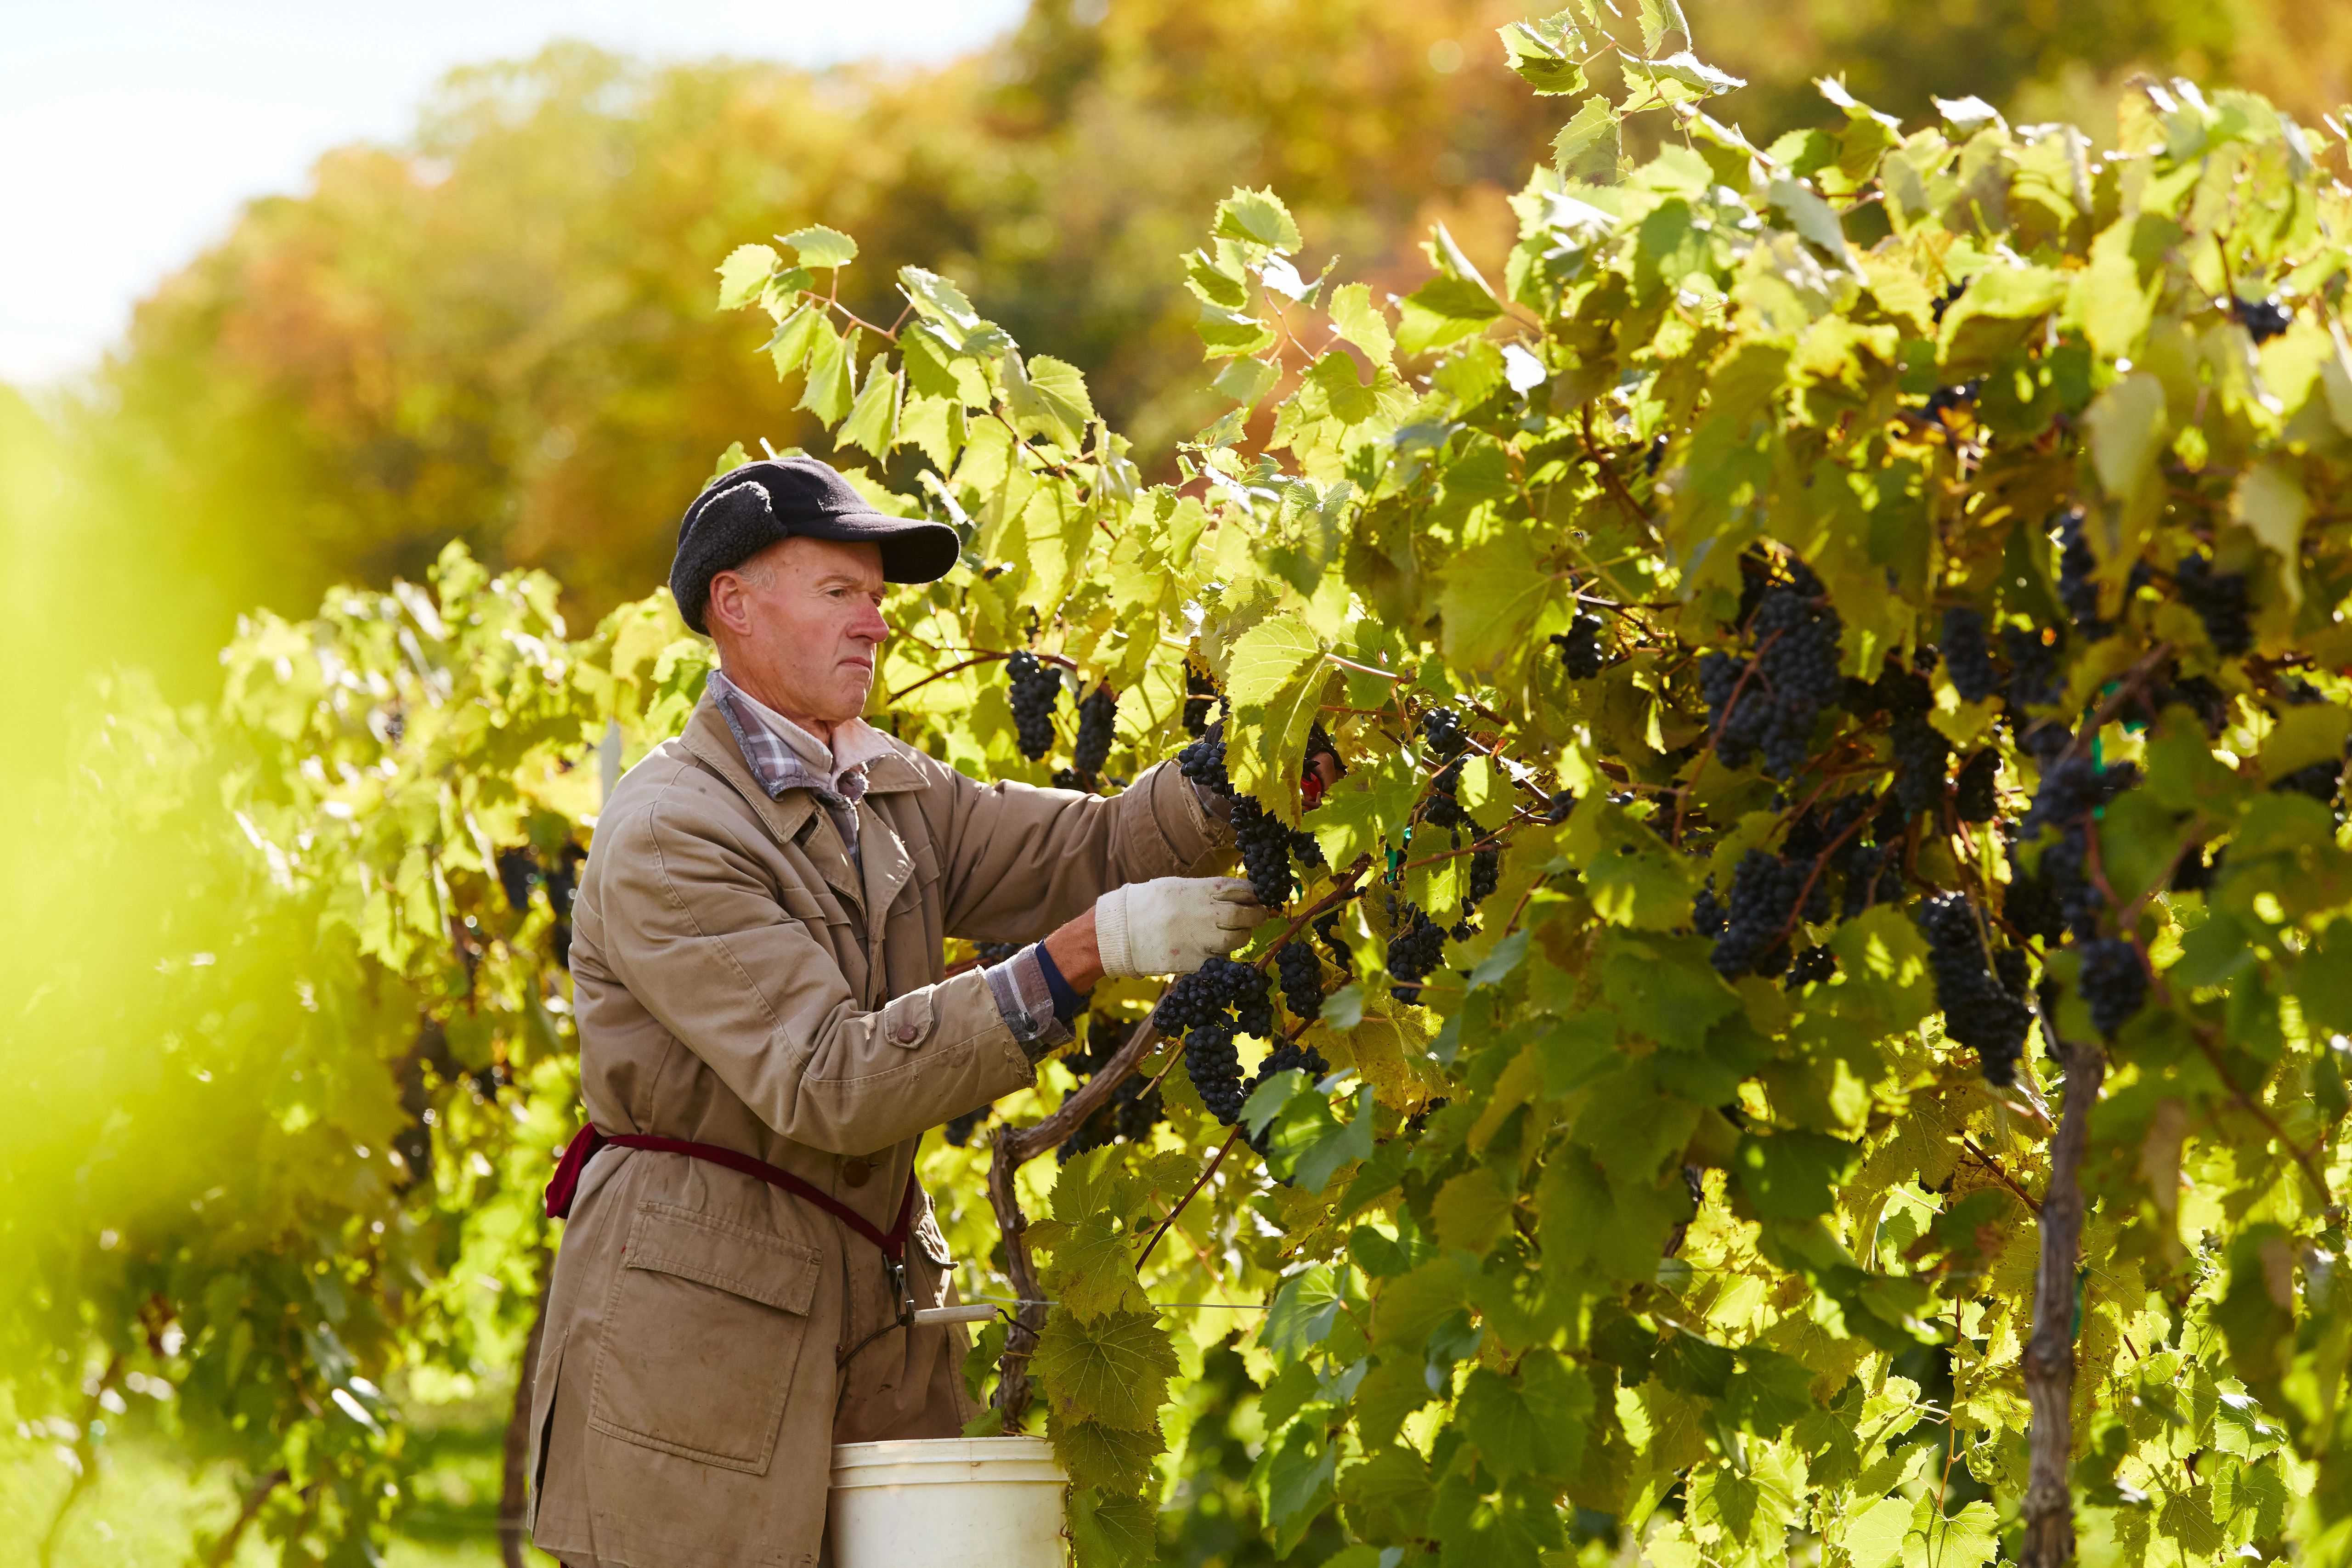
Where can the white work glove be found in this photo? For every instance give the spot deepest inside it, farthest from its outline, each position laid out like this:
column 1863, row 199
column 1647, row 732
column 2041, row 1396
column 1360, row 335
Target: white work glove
column 1172, row 925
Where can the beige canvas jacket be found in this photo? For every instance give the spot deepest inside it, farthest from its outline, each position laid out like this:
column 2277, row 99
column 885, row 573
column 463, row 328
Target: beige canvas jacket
column 740, row 981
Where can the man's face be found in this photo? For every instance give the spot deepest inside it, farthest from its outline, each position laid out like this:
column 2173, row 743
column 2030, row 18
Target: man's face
column 798, row 627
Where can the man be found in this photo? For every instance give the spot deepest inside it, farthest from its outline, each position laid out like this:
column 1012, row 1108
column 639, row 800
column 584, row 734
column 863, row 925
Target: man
column 766, row 1031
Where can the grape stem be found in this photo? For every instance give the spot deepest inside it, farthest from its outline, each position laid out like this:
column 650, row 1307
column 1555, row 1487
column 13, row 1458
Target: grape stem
column 1608, row 473
column 1682, row 796
column 2125, row 689
column 1201, row 1181
column 1054, row 659
column 2004, row 1177
column 1813, row 876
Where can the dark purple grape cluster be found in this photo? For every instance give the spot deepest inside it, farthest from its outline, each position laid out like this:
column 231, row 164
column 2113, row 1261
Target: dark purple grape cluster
column 2263, row 319
column 1874, row 875
column 1485, row 875
column 1441, row 730
column 959, row 1129
column 995, row 952
column 1708, row 916
column 1974, row 794
column 2195, row 873
column 2320, row 781
column 2220, row 600
column 2113, row 981
column 518, row 875
column 1285, row 1057
column 1265, row 845
column 1413, row 951
column 1200, row 696
column 1130, row 1113
column 1579, row 647
column 2060, row 897
column 1302, row 979
column 1762, row 910
column 1219, row 986
column 1208, row 1007
column 1957, row 399
column 1443, row 808
column 1097, row 721
column 1815, row 963
column 1795, row 676
column 1204, row 762
column 1034, row 686
column 1290, row 1056
column 2078, row 570
column 561, row 882
column 1979, row 1012
column 1215, row 1068
column 1326, row 927
column 1968, row 656
column 1921, row 756
column 2034, row 674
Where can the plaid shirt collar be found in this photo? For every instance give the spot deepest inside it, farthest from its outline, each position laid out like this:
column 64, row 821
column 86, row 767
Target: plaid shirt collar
column 773, row 761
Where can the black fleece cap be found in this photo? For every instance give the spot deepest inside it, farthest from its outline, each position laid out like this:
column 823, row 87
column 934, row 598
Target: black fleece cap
column 746, row 510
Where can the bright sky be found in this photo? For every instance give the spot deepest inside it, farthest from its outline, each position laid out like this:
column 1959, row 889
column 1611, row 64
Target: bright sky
column 131, row 129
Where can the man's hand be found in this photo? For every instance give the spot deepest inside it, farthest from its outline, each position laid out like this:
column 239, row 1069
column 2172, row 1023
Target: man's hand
column 1172, row 925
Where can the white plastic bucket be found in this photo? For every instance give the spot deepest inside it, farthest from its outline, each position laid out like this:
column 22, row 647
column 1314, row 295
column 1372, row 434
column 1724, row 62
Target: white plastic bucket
column 946, row 1502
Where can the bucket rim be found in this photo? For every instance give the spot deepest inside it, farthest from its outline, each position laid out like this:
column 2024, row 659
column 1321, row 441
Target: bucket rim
column 1031, row 1459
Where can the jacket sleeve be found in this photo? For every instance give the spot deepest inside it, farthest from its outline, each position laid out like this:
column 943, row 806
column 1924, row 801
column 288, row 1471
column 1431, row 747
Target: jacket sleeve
column 1020, row 860
column 711, row 954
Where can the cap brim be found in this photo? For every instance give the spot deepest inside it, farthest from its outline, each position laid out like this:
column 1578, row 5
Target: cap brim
column 914, row 548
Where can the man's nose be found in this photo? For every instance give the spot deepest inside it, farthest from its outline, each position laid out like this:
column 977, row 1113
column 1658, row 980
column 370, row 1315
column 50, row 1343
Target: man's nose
column 870, row 626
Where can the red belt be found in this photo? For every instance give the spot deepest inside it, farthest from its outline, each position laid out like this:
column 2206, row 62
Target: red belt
column 584, row 1147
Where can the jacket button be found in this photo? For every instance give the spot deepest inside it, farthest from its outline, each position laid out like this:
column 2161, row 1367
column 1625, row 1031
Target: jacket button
column 854, row 1171
column 907, row 1032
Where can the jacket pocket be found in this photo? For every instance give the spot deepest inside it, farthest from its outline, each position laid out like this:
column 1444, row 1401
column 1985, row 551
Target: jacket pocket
column 701, row 1336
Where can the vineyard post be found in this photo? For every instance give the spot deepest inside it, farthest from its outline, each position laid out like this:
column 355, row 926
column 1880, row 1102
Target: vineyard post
column 2050, row 1353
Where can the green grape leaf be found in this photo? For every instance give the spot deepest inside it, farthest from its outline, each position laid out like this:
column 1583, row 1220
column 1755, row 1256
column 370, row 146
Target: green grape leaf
column 1591, row 145
column 1793, row 1175
column 1257, row 217
column 1545, row 53
column 935, row 296
column 873, row 421
column 1048, row 398
column 1113, row 1369
column 1113, row 1531
column 744, row 273
column 1442, row 312
column 1678, row 79
column 832, row 368
column 818, row 246
column 1109, row 1458
column 1533, row 1423
column 1355, row 318
column 1659, row 18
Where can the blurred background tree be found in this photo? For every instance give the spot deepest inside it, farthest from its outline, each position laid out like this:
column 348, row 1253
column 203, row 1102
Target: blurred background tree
column 502, row 332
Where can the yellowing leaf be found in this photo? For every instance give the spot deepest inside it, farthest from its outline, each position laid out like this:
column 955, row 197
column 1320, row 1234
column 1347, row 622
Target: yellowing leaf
column 1493, row 597
column 2127, row 426
column 2270, row 500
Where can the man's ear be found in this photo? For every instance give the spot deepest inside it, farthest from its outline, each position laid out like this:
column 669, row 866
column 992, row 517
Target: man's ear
column 725, row 608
